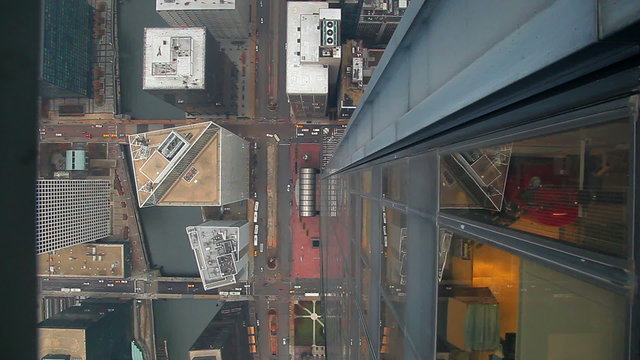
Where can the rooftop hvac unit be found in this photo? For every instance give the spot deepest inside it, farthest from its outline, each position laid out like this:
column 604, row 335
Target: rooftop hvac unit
column 330, row 33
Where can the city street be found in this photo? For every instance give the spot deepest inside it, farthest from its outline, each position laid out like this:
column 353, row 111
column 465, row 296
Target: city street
column 86, row 133
column 86, row 285
column 271, row 28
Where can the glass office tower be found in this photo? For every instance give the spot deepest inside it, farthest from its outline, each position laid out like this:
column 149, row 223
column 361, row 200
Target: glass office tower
column 482, row 203
column 65, row 58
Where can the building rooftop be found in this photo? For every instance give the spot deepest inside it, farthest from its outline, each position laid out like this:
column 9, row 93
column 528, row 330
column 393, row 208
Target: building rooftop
column 174, row 58
column 84, row 260
column 93, row 330
column 305, row 78
column 217, row 252
column 62, row 341
column 177, row 166
column 195, row 5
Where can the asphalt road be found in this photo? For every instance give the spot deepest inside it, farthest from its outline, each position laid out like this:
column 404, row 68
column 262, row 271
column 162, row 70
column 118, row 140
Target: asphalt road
column 87, row 285
column 80, row 133
column 172, row 287
column 267, row 31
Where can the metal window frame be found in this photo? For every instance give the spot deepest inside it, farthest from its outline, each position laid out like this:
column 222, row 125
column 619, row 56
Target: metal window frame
column 600, row 114
column 614, row 274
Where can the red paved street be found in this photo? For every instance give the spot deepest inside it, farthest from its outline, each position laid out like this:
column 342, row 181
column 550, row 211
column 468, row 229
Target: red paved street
column 305, row 262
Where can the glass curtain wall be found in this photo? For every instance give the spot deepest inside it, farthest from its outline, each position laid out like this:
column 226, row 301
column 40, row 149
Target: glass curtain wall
column 514, row 245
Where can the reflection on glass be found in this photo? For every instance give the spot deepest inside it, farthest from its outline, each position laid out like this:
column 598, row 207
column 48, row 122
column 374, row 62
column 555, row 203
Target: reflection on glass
column 391, row 335
column 493, row 303
column 365, row 353
column 480, row 173
column 394, row 245
column 570, row 186
column 365, row 288
column 367, row 180
column 394, row 180
column 365, row 239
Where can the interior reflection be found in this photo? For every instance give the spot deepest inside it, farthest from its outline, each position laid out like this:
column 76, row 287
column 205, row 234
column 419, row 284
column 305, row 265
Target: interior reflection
column 570, row 186
column 495, row 305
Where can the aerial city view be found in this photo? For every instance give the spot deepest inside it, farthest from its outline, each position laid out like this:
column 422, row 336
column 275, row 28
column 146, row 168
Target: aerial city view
column 339, row 179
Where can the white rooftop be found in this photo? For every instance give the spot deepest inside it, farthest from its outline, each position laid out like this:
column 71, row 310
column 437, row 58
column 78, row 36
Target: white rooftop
column 195, row 4
column 309, row 38
column 304, row 78
column 217, row 252
column 331, row 14
column 174, row 58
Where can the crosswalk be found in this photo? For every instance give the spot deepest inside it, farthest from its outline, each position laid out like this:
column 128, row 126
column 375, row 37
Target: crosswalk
column 331, row 137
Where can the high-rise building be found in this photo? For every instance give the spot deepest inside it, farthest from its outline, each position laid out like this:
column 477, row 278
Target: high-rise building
column 221, row 250
column 224, row 338
column 90, row 331
column 70, row 212
column 379, row 19
column 224, row 19
column 193, row 165
column 184, row 67
column 65, row 50
column 95, row 260
column 482, row 203
column 313, row 56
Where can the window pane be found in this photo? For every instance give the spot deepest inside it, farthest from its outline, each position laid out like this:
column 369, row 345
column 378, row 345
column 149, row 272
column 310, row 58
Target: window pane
column 365, row 239
column 365, row 288
column 394, row 265
column 571, row 186
column 391, row 336
column 490, row 300
column 394, row 180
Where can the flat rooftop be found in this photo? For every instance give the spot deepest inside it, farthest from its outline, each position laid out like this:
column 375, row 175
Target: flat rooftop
column 196, row 4
column 174, row 58
column 155, row 155
column 62, row 341
column 217, row 251
column 349, row 88
column 84, row 260
column 304, row 78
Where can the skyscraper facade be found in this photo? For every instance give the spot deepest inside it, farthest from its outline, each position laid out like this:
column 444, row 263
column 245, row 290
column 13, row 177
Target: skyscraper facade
column 482, row 202
column 65, row 59
column 224, row 19
column 70, row 212
column 224, row 337
column 93, row 330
